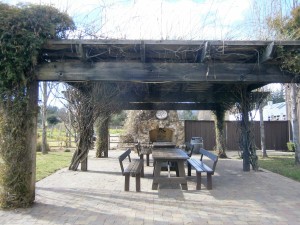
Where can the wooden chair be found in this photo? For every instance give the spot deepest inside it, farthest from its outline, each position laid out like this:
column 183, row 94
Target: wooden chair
column 141, row 151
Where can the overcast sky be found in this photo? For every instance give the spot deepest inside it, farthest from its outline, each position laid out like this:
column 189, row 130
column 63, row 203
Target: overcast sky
column 170, row 19
column 158, row 19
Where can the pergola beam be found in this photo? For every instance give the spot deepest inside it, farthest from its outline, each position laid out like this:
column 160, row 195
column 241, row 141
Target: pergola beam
column 143, row 52
column 160, row 72
column 166, row 106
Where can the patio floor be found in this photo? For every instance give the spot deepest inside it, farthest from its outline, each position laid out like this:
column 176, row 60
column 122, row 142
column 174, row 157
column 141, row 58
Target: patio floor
column 98, row 197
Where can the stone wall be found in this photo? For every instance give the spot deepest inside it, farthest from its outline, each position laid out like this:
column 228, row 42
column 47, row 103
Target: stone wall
column 139, row 123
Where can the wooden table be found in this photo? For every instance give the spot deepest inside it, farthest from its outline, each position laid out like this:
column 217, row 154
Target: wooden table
column 163, row 145
column 163, row 155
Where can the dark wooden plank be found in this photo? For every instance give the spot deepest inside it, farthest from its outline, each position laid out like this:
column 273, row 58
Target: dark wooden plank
column 169, row 154
column 168, row 106
column 52, row 43
column 160, row 72
column 143, row 51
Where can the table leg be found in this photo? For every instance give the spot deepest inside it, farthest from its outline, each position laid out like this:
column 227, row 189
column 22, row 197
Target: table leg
column 148, row 159
column 182, row 174
column 157, row 170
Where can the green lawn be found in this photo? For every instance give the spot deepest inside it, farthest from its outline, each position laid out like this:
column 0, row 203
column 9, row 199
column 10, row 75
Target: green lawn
column 284, row 165
column 51, row 162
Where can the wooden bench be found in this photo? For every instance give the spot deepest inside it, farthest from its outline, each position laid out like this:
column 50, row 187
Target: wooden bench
column 201, row 167
column 134, row 168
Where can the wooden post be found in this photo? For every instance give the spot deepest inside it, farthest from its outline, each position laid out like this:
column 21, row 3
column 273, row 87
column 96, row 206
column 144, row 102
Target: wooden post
column 245, row 128
column 32, row 136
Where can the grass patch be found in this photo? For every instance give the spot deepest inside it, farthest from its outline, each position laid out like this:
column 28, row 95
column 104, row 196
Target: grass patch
column 116, row 131
column 283, row 165
column 51, row 162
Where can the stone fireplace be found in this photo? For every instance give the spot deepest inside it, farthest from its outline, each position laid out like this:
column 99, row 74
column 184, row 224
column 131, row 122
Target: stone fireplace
column 148, row 126
column 161, row 135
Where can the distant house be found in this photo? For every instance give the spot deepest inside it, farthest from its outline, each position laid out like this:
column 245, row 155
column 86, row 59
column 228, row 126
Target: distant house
column 275, row 111
column 271, row 112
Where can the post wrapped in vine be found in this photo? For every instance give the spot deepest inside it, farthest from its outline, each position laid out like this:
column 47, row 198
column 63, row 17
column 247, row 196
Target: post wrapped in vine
column 247, row 145
column 23, row 31
column 219, row 116
column 87, row 102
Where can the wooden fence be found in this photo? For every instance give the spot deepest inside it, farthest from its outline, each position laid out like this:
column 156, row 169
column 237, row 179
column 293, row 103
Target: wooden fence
column 276, row 134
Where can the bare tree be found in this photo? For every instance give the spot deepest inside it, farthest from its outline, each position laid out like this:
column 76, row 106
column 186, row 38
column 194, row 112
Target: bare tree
column 87, row 102
column 46, row 89
column 295, row 122
column 262, row 132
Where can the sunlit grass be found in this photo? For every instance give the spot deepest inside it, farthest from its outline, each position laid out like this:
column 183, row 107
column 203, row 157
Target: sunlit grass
column 284, row 165
column 51, row 162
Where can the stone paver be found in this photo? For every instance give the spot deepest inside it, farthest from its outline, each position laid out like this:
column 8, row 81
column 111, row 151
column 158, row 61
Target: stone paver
column 97, row 197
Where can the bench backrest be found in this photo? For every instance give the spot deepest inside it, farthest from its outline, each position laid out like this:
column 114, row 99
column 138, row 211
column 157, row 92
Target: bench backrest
column 211, row 156
column 122, row 157
column 189, row 148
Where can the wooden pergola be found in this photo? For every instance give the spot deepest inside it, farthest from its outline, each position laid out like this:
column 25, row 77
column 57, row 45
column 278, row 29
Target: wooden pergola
column 172, row 75
column 197, row 75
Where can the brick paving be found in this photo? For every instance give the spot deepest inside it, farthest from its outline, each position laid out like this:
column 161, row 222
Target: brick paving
column 97, row 197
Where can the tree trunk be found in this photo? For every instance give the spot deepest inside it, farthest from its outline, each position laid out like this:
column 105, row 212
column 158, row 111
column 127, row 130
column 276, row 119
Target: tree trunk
column 102, row 136
column 220, row 132
column 44, row 119
column 69, row 139
column 245, row 137
column 86, row 131
column 262, row 132
column 294, row 123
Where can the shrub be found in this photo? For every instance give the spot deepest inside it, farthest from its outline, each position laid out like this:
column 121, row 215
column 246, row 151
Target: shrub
column 291, row 146
column 127, row 138
column 39, row 147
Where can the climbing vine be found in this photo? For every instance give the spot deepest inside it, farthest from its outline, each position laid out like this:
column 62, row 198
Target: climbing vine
column 23, row 31
column 245, row 104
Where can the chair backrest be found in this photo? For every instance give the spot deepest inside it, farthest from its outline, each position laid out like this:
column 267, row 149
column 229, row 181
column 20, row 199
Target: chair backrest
column 138, row 148
column 189, row 148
